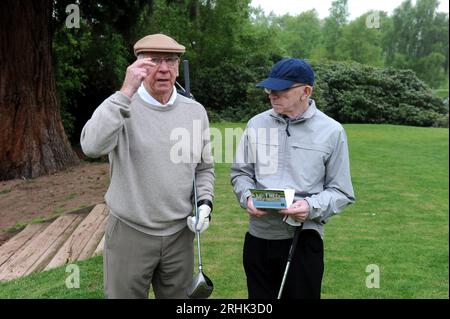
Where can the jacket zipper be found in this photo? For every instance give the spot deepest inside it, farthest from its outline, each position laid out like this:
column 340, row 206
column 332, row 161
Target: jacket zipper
column 287, row 128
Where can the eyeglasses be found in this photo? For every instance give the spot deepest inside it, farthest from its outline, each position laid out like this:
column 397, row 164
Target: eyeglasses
column 279, row 92
column 171, row 61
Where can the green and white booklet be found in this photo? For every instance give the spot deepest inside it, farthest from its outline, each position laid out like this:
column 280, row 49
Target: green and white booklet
column 274, row 199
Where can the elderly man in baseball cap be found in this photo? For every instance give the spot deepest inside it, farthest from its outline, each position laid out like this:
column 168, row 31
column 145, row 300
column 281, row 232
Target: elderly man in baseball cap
column 150, row 231
column 308, row 152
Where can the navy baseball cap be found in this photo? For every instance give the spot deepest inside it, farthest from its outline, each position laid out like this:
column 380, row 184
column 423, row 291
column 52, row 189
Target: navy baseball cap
column 286, row 73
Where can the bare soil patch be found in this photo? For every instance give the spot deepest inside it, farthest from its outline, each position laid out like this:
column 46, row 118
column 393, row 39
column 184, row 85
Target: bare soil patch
column 23, row 201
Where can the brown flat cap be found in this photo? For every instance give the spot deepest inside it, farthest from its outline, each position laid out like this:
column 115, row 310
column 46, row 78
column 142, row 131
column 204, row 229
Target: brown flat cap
column 158, row 43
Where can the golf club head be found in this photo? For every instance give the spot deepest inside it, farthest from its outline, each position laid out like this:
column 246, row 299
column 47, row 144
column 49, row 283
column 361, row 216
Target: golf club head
column 201, row 287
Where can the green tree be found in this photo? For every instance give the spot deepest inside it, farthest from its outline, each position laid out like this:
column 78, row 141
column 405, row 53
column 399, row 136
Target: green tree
column 231, row 55
column 333, row 25
column 417, row 38
column 299, row 35
column 90, row 61
column 361, row 42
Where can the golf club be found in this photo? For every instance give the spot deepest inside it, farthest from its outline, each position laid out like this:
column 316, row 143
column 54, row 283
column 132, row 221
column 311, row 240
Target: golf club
column 290, row 257
column 186, row 90
column 201, row 286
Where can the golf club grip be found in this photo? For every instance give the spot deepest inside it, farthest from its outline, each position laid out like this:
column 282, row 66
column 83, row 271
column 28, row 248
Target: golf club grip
column 187, row 82
column 294, row 242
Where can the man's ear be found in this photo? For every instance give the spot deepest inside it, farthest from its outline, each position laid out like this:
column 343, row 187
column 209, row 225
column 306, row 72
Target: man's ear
column 308, row 91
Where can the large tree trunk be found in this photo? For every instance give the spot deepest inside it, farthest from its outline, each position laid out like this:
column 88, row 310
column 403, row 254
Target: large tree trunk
column 32, row 138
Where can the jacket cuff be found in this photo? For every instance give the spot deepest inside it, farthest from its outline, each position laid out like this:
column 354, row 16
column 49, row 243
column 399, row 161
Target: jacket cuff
column 314, row 208
column 244, row 197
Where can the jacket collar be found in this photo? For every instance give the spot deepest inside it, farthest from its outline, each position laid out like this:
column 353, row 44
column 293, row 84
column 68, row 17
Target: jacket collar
column 306, row 115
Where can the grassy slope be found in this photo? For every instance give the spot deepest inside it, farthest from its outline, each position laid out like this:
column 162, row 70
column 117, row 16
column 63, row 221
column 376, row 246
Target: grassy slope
column 399, row 223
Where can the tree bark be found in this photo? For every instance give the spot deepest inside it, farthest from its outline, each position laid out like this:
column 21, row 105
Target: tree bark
column 32, row 138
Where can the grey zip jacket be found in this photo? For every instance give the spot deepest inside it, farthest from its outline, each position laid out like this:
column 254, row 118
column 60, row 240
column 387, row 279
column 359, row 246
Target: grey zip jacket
column 308, row 154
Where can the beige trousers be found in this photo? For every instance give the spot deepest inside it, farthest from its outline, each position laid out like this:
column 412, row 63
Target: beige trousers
column 132, row 261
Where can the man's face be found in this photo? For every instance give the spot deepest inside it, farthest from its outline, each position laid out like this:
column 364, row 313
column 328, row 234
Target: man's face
column 288, row 101
column 162, row 77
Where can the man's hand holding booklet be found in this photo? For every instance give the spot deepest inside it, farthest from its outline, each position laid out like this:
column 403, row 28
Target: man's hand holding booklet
column 275, row 199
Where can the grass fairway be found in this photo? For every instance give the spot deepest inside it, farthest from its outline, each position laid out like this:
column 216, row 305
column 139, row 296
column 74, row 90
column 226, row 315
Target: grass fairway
column 400, row 219
column 399, row 223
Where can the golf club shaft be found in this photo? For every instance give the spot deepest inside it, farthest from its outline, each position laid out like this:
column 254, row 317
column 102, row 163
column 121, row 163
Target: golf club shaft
column 187, row 89
column 196, row 222
column 290, row 257
column 286, row 270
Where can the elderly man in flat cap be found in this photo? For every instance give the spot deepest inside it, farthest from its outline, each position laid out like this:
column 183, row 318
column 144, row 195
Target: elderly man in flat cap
column 150, row 232
column 307, row 153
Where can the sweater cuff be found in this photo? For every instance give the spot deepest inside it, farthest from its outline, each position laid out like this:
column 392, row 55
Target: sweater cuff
column 121, row 97
column 205, row 202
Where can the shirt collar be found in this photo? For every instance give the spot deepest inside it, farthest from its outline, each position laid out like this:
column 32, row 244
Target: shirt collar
column 151, row 100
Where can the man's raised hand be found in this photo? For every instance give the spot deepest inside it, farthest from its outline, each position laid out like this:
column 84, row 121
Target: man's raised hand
column 136, row 73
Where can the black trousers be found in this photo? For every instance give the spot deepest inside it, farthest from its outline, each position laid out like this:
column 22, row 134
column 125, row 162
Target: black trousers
column 265, row 262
